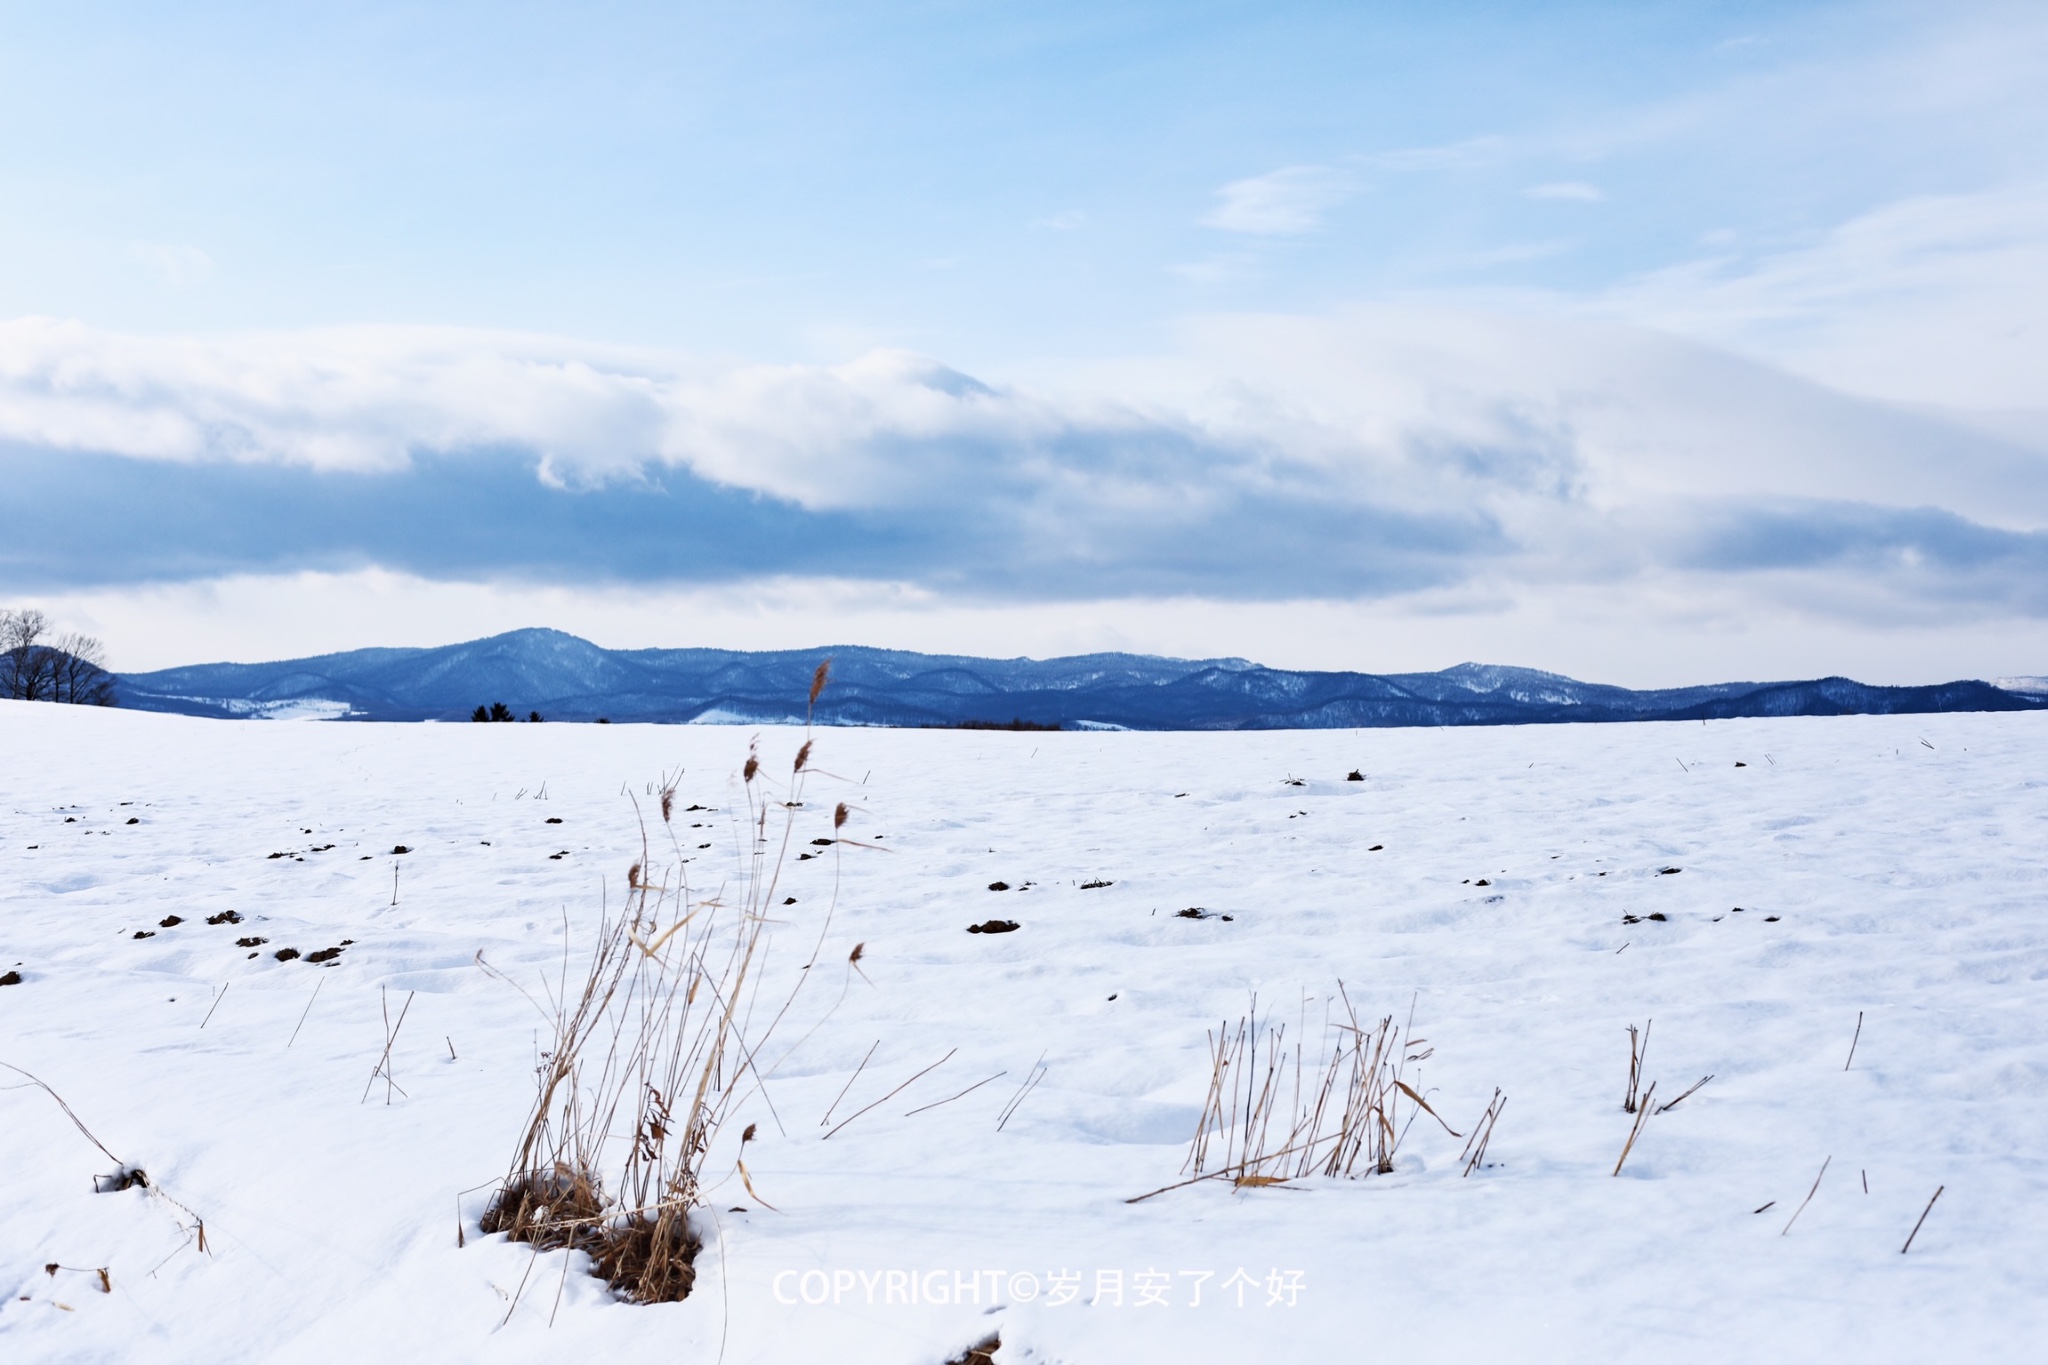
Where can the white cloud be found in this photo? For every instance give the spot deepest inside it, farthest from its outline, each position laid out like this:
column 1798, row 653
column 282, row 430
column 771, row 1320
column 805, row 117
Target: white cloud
column 1283, row 203
column 1378, row 455
column 1067, row 221
column 1575, row 190
column 1935, row 299
column 349, row 398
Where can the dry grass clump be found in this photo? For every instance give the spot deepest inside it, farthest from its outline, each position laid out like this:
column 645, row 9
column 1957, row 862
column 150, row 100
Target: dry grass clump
column 1277, row 1117
column 648, row 1259
column 650, row 1056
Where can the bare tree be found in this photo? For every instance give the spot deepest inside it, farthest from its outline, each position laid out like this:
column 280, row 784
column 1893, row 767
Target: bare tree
column 21, row 651
column 69, row 668
column 80, row 675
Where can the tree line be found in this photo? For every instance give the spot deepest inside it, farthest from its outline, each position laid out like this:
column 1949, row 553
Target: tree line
column 37, row 665
column 498, row 711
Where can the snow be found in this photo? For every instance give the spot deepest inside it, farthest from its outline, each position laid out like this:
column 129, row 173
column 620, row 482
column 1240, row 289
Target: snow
column 289, row 708
column 1904, row 858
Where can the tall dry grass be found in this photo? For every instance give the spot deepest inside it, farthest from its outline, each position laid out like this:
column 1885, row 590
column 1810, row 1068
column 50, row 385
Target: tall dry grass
column 654, row 1050
column 1274, row 1115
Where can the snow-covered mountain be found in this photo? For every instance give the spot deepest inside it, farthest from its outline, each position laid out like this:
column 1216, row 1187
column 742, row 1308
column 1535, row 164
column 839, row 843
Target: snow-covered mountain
column 567, row 678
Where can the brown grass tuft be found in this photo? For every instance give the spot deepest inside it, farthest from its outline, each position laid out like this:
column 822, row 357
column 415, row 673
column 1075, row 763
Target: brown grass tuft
column 647, row 1061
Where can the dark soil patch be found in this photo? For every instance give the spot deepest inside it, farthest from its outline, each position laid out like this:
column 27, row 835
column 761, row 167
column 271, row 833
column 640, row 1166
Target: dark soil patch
column 999, row 886
column 285, row 954
column 994, row 926
column 11, row 979
column 983, row 1352
column 225, row 917
column 324, row 955
column 251, row 942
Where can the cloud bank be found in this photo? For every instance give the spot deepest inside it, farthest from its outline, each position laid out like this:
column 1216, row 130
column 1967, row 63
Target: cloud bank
column 1376, row 454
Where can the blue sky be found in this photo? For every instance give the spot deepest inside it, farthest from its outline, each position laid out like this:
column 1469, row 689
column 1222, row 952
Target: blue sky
column 1644, row 341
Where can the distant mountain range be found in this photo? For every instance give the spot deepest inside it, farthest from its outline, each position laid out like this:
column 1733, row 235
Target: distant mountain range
column 568, row 679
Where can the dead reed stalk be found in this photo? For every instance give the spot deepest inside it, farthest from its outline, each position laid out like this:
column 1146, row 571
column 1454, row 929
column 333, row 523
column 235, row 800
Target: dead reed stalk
column 1638, row 1054
column 1921, row 1219
column 1809, row 1198
column 1642, row 1112
column 1474, row 1154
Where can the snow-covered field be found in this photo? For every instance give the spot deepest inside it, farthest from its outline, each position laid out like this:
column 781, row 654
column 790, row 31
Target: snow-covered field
column 1896, row 867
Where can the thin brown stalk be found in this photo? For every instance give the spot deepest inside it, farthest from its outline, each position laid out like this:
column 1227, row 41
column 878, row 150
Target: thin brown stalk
column 891, row 1095
column 1689, row 1090
column 1638, row 1057
column 950, row 1098
column 1474, row 1154
column 1921, row 1219
column 76, row 1121
column 1642, row 1116
column 1809, row 1198
column 849, row 1082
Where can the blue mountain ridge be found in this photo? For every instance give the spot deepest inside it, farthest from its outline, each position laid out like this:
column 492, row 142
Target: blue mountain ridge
column 570, row 679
